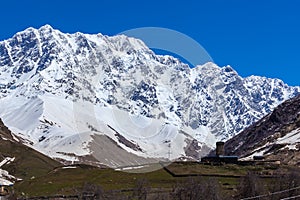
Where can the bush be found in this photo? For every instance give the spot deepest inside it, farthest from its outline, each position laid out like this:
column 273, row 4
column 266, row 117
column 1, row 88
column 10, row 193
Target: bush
column 250, row 185
column 197, row 188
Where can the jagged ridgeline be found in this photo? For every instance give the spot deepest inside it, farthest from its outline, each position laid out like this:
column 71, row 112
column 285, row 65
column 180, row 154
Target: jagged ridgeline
column 141, row 100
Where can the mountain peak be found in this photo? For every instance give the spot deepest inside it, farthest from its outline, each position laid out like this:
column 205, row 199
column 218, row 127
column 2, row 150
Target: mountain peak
column 42, row 70
column 46, row 27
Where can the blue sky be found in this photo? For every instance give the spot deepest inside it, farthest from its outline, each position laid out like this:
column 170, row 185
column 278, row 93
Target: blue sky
column 260, row 37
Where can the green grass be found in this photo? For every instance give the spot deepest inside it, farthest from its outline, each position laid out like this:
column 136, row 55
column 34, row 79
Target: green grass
column 28, row 162
column 203, row 169
column 51, row 179
column 66, row 181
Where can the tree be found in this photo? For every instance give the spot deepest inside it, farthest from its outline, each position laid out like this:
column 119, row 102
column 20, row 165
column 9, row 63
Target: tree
column 141, row 189
column 250, row 185
column 91, row 191
column 197, row 188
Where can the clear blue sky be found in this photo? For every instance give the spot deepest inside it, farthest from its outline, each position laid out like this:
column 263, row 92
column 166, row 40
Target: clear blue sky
column 260, row 37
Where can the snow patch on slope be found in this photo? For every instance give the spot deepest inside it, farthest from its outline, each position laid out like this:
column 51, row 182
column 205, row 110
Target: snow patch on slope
column 5, row 178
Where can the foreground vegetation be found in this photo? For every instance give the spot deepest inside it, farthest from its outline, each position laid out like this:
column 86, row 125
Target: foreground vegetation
column 177, row 181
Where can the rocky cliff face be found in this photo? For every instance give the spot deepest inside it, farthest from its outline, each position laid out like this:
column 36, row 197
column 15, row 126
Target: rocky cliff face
column 276, row 136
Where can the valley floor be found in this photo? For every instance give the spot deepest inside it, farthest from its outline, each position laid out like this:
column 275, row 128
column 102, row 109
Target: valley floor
column 180, row 180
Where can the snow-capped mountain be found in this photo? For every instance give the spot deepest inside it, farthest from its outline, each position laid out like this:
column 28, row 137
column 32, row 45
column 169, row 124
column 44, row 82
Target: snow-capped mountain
column 74, row 96
column 276, row 136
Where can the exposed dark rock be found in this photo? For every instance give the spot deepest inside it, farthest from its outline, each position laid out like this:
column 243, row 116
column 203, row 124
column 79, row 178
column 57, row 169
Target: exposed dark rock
column 264, row 134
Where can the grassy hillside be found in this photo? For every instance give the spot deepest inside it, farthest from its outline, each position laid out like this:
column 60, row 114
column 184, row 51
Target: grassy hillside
column 28, row 163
